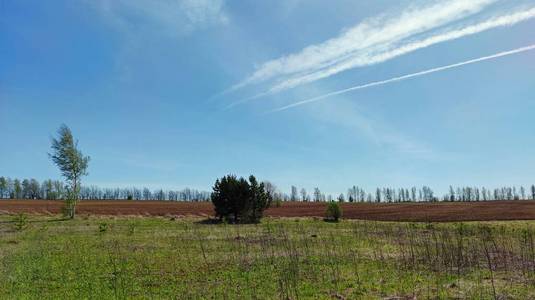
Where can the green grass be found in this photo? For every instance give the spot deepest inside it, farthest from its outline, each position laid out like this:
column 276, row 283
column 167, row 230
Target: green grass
column 151, row 257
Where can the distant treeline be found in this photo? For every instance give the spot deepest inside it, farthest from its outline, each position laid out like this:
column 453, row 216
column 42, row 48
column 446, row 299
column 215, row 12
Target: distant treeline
column 56, row 190
column 414, row 194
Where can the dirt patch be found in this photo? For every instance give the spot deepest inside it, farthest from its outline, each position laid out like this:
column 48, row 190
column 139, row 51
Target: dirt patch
column 442, row 212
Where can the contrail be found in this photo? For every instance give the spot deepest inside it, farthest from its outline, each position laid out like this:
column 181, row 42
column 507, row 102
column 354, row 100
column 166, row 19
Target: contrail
column 387, row 28
column 408, row 76
column 360, row 60
column 287, row 70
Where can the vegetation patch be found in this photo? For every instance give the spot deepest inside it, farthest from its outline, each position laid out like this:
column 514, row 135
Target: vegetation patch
column 134, row 257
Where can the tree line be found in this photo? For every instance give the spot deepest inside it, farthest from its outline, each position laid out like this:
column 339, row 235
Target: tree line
column 57, row 190
column 413, row 194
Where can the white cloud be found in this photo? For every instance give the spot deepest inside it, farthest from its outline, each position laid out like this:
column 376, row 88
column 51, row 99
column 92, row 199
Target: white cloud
column 169, row 17
column 377, row 33
column 370, row 58
column 379, row 40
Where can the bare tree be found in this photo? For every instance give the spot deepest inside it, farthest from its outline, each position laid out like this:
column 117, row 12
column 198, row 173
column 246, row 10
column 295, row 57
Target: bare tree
column 317, row 194
column 270, row 188
column 304, row 194
column 294, row 195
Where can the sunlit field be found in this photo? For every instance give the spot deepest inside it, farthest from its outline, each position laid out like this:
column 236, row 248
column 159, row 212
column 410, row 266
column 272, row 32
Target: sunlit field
column 165, row 257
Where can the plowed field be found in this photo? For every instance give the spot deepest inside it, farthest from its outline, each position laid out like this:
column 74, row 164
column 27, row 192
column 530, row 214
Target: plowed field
column 491, row 210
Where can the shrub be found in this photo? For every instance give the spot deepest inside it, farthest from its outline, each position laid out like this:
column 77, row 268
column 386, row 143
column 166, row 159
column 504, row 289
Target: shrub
column 278, row 202
column 333, row 212
column 20, row 221
column 103, row 227
column 238, row 200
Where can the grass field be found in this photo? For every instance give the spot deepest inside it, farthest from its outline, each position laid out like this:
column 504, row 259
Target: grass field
column 157, row 257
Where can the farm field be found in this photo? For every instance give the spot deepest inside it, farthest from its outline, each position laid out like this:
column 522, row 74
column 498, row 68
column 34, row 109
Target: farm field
column 217, row 149
column 447, row 211
column 117, row 257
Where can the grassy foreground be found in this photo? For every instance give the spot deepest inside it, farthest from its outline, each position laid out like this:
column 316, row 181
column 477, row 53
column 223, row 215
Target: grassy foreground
column 151, row 257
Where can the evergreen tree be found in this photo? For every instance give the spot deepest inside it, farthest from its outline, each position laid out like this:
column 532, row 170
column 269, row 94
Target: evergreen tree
column 238, row 201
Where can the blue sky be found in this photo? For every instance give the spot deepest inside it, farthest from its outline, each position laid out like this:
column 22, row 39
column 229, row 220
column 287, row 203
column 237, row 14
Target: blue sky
column 174, row 94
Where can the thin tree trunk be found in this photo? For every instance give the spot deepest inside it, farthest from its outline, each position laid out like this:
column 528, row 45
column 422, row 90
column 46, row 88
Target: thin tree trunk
column 74, row 198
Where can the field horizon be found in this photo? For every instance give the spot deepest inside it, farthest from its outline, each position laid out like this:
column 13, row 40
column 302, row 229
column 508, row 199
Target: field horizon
column 275, row 149
column 493, row 210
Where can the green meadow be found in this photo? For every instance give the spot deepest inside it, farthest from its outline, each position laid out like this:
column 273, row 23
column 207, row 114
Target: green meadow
column 94, row 257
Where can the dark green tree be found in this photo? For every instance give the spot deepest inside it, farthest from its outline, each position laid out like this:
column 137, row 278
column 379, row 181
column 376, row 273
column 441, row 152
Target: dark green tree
column 238, row 200
column 260, row 199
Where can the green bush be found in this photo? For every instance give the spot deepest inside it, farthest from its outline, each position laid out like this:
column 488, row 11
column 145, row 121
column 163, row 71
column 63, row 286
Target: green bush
column 239, row 201
column 103, row 227
column 333, row 212
column 20, row 221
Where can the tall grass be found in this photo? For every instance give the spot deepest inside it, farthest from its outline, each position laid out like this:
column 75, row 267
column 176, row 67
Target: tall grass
column 284, row 259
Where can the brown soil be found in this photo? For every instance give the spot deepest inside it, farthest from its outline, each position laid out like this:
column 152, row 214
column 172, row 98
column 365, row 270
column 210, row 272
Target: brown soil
column 473, row 211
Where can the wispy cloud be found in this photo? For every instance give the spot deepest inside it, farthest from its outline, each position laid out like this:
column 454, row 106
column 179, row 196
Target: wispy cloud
column 170, row 17
column 366, row 59
column 139, row 22
column 369, row 128
column 379, row 40
column 408, row 76
column 379, row 31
